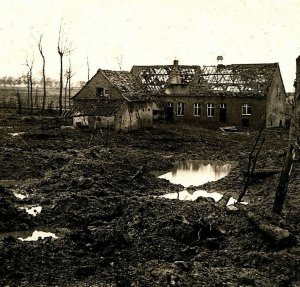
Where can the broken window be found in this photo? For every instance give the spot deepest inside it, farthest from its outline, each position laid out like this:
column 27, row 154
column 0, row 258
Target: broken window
column 180, row 109
column 210, row 110
column 197, row 110
column 246, row 110
column 100, row 92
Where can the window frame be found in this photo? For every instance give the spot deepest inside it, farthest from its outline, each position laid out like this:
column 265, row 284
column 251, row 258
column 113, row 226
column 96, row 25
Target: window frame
column 210, row 110
column 98, row 93
column 180, row 109
column 246, row 110
column 197, row 109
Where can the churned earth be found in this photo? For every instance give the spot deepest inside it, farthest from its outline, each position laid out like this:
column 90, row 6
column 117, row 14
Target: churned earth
column 99, row 195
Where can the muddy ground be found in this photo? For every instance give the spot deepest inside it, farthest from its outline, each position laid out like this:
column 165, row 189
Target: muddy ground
column 99, row 195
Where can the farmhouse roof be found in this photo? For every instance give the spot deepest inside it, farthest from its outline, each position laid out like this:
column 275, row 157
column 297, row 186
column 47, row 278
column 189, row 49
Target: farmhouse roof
column 101, row 107
column 156, row 78
column 245, row 79
column 127, row 84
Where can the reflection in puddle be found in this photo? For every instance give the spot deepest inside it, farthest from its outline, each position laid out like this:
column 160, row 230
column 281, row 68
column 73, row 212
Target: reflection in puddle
column 17, row 134
column 193, row 195
column 33, row 210
column 30, row 235
column 38, row 234
column 19, row 195
column 196, row 172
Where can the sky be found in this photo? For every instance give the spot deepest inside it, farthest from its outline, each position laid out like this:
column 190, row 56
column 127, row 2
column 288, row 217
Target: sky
column 114, row 34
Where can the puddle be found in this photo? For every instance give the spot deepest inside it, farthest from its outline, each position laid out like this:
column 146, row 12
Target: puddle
column 17, row 134
column 19, row 195
column 196, row 172
column 29, row 235
column 193, row 195
column 38, row 234
column 33, row 210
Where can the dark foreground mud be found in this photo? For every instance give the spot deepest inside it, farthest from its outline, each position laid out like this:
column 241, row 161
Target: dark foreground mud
column 100, row 197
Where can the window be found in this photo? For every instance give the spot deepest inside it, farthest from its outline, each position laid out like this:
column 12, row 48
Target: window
column 170, row 104
column 222, row 106
column 180, row 109
column 197, row 110
column 246, row 110
column 210, row 110
column 99, row 92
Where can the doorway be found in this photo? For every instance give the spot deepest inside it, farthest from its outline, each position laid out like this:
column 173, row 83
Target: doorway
column 222, row 114
column 169, row 112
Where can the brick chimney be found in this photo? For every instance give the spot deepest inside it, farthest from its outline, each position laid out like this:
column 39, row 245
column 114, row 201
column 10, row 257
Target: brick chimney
column 174, row 75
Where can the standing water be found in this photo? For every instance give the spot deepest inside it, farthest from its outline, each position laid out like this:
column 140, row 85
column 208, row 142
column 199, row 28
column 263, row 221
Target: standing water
column 196, row 172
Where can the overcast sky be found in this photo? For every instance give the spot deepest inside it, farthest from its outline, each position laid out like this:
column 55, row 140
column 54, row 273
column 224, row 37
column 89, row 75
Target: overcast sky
column 114, row 33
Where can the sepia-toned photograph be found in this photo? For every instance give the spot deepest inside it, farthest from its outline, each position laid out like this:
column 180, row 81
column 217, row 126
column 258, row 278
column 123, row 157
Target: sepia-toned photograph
column 149, row 143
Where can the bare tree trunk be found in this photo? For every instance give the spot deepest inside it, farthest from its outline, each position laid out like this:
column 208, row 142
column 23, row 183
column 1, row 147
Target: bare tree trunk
column 62, row 49
column 44, row 86
column 88, row 67
column 29, row 86
column 28, row 94
column 19, row 103
column 69, row 88
column 31, row 95
column 66, row 90
column 60, row 83
column 44, row 75
column 282, row 187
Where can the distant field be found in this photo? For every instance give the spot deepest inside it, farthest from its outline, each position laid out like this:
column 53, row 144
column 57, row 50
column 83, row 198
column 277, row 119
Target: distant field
column 8, row 98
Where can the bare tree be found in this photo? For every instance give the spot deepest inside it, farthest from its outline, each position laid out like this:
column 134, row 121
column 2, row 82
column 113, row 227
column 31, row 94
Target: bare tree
column 88, row 67
column 44, row 75
column 63, row 48
column 19, row 101
column 29, row 65
column 68, row 76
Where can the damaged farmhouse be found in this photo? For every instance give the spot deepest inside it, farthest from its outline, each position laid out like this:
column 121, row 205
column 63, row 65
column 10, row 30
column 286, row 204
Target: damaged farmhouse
column 242, row 95
column 112, row 99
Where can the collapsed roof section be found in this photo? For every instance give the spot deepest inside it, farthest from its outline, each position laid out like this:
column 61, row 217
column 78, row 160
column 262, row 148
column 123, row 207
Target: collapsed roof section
column 156, row 78
column 243, row 79
column 236, row 79
column 127, row 84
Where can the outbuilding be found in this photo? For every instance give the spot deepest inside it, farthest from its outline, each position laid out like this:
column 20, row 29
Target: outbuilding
column 112, row 99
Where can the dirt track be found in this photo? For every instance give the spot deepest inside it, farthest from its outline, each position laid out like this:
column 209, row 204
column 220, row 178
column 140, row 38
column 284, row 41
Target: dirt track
column 99, row 195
